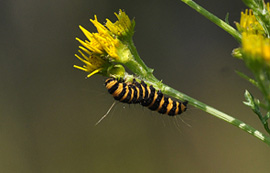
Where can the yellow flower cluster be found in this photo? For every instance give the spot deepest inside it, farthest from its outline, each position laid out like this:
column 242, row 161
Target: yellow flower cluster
column 93, row 64
column 254, row 39
column 101, row 42
column 104, row 46
column 248, row 23
column 123, row 26
column 256, row 45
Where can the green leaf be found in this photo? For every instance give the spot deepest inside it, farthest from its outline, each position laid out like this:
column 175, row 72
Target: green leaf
column 265, row 123
column 253, row 103
column 265, row 118
column 249, row 99
column 237, row 53
column 252, row 81
column 227, row 19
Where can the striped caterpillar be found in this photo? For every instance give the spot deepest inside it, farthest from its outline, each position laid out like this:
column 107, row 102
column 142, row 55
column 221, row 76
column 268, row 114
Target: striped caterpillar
column 146, row 95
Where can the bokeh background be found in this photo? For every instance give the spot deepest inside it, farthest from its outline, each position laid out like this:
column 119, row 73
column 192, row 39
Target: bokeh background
column 48, row 109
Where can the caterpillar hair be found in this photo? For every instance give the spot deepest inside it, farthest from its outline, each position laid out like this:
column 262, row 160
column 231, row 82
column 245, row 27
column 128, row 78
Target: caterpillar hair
column 146, row 95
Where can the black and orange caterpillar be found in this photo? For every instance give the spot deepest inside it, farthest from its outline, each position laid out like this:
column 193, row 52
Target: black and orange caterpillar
column 147, row 96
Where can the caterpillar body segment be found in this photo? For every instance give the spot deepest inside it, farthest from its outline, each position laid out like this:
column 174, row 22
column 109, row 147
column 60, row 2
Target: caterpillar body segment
column 146, row 95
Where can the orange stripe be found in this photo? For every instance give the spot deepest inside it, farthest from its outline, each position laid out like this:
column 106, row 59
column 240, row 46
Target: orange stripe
column 132, row 94
column 170, row 105
column 110, row 84
column 138, row 93
column 161, row 103
column 143, row 90
column 183, row 107
column 177, row 109
column 149, row 90
column 125, row 95
column 155, row 97
column 119, row 90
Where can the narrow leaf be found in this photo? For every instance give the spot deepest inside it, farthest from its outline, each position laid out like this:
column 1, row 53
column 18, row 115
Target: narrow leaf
column 252, row 81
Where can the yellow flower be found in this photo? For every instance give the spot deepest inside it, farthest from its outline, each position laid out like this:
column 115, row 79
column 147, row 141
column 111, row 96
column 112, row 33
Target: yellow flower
column 102, row 42
column 105, row 46
column 248, row 23
column 256, row 45
column 123, row 26
column 92, row 64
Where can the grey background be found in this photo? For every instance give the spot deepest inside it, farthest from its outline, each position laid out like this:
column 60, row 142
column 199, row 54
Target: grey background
column 48, row 109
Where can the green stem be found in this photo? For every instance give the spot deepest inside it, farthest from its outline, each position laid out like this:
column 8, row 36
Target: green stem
column 223, row 116
column 141, row 64
column 142, row 70
column 214, row 19
column 238, row 123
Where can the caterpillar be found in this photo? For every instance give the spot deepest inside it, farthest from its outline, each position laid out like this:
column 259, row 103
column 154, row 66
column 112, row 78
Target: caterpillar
column 145, row 95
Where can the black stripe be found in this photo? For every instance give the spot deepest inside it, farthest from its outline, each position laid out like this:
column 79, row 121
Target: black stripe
column 135, row 94
column 122, row 93
column 148, row 100
column 185, row 104
column 180, row 108
column 112, row 88
column 109, row 80
column 163, row 109
column 156, row 104
column 138, row 85
column 143, row 85
column 172, row 111
column 126, row 100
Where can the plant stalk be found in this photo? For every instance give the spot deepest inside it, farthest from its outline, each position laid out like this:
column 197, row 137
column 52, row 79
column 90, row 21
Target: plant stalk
column 238, row 123
column 214, row 19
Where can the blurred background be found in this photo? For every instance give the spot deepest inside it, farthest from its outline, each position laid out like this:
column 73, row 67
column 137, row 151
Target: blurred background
column 48, row 109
